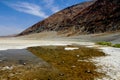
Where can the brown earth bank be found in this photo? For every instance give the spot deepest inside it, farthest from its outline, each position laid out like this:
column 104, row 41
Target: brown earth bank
column 96, row 16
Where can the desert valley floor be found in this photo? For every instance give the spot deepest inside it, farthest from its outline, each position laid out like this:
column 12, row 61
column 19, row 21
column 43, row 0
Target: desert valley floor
column 12, row 51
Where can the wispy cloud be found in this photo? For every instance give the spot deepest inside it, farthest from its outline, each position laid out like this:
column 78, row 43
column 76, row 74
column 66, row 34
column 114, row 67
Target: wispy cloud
column 29, row 8
column 50, row 4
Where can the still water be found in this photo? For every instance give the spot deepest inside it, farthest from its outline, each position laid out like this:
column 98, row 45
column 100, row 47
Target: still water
column 20, row 64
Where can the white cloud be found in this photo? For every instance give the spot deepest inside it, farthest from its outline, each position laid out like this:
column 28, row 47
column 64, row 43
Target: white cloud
column 51, row 6
column 7, row 30
column 29, row 8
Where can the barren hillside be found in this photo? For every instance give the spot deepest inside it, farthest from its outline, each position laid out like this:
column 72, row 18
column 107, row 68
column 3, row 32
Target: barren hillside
column 89, row 17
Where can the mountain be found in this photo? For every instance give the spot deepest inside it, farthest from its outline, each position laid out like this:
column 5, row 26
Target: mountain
column 96, row 16
column 57, row 20
column 102, row 16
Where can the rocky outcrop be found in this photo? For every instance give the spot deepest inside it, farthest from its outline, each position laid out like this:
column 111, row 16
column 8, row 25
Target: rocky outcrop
column 102, row 16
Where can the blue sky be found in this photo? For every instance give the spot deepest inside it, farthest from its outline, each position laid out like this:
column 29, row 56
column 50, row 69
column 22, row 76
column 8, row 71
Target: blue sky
column 17, row 15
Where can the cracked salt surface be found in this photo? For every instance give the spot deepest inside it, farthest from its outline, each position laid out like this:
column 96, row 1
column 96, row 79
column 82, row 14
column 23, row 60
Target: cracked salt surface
column 110, row 64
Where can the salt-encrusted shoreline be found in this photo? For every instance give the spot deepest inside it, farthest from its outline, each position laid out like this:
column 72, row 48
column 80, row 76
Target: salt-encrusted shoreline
column 110, row 63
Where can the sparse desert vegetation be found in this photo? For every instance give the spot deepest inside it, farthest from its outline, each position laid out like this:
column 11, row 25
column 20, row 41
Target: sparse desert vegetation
column 116, row 45
column 70, row 64
column 108, row 44
column 105, row 43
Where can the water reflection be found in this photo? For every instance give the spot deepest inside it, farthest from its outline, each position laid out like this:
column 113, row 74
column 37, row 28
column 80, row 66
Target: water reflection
column 19, row 64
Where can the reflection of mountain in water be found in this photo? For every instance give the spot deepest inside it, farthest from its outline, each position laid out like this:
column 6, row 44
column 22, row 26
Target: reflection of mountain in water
column 20, row 56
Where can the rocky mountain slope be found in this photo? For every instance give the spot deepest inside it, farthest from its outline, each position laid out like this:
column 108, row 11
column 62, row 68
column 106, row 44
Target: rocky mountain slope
column 102, row 16
column 88, row 17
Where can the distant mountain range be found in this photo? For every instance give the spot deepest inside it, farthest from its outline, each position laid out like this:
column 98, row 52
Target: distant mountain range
column 90, row 17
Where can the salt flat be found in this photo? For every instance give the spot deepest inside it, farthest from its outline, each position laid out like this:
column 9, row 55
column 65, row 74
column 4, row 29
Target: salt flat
column 110, row 64
column 13, row 43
